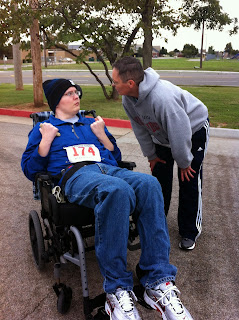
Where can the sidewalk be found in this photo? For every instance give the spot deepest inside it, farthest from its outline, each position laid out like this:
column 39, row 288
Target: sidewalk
column 207, row 276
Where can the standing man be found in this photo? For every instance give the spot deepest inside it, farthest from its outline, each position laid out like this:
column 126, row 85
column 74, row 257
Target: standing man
column 170, row 124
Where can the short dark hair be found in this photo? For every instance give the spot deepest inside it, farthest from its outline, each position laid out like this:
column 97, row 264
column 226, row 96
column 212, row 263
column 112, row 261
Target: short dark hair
column 129, row 68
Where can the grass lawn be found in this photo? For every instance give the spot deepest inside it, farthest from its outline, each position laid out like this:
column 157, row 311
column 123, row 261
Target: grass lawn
column 222, row 102
column 160, row 64
column 187, row 64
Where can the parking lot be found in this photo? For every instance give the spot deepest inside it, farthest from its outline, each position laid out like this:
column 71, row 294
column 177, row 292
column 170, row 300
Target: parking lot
column 208, row 276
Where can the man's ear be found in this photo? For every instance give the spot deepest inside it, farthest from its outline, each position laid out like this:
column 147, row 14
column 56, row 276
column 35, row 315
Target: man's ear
column 131, row 83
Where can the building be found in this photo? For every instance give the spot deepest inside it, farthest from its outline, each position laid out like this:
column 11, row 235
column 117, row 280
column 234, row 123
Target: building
column 156, row 51
column 55, row 55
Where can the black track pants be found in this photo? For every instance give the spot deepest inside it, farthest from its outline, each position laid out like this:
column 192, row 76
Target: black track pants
column 190, row 193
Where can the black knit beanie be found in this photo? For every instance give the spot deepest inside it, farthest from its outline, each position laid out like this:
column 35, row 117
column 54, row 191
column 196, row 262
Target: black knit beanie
column 54, row 90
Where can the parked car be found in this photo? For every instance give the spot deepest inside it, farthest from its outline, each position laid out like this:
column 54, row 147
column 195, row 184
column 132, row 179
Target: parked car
column 66, row 60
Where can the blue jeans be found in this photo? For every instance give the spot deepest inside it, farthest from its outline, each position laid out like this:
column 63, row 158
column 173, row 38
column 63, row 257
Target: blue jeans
column 115, row 193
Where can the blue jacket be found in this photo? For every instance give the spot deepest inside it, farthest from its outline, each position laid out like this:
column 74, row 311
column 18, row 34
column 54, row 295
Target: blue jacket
column 71, row 134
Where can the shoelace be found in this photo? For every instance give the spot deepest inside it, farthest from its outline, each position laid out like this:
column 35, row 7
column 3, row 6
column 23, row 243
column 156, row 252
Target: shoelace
column 170, row 297
column 125, row 300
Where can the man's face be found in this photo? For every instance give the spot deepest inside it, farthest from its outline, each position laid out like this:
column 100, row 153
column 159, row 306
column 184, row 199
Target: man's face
column 122, row 88
column 69, row 104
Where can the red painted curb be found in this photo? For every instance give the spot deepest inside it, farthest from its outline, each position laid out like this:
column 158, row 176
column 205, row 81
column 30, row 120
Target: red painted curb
column 15, row 113
column 117, row 123
column 109, row 122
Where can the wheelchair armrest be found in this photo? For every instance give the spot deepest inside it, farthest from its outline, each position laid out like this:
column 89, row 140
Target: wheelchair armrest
column 87, row 112
column 43, row 177
column 127, row 164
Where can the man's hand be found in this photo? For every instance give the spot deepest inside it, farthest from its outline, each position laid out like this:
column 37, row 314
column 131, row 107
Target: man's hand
column 153, row 162
column 98, row 128
column 187, row 173
column 48, row 132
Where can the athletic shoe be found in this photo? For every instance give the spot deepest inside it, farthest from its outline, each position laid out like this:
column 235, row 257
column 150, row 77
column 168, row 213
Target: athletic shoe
column 164, row 298
column 120, row 305
column 187, row 244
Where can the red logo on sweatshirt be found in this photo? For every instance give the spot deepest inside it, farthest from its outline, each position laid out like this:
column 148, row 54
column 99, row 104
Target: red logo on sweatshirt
column 152, row 126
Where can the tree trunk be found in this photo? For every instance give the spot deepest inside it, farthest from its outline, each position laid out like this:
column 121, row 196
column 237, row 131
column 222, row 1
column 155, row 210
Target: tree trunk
column 201, row 54
column 114, row 95
column 17, row 66
column 17, row 60
column 36, row 59
column 148, row 35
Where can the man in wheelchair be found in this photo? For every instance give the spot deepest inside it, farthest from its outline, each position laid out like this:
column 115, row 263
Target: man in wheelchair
column 85, row 154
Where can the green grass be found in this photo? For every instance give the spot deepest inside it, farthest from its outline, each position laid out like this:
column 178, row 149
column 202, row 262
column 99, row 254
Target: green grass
column 159, row 64
column 166, row 64
column 222, row 102
column 186, row 64
column 11, row 97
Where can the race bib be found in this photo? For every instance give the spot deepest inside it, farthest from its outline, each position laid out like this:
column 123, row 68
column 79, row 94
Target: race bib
column 83, row 152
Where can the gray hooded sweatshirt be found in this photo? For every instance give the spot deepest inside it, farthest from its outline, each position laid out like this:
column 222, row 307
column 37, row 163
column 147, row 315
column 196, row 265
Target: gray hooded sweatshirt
column 167, row 115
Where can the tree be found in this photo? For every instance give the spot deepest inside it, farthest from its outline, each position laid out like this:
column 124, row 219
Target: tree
column 66, row 21
column 112, row 38
column 211, row 50
column 5, row 50
column 17, row 61
column 140, row 52
column 228, row 48
column 36, row 57
column 98, row 26
column 153, row 17
column 189, row 50
column 98, row 32
column 163, row 51
column 207, row 14
column 9, row 51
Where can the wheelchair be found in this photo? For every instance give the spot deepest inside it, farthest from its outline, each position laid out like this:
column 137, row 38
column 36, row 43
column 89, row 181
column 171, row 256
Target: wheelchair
column 59, row 234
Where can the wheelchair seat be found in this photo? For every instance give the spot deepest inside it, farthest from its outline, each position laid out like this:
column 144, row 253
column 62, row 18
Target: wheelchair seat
column 66, row 228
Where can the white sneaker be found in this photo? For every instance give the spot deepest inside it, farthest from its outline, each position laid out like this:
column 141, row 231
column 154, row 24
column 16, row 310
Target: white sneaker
column 120, row 306
column 164, row 298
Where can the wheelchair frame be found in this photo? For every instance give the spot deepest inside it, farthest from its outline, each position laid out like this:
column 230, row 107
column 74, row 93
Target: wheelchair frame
column 65, row 230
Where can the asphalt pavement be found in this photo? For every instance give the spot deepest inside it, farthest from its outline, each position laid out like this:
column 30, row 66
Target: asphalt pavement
column 177, row 77
column 208, row 276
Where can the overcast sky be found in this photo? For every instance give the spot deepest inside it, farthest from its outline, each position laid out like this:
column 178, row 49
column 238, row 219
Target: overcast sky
column 211, row 38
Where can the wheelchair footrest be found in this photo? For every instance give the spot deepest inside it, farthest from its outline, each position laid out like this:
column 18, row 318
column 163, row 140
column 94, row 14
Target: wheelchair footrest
column 92, row 304
column 101, row 314
column 98, row 301
column 139, row 292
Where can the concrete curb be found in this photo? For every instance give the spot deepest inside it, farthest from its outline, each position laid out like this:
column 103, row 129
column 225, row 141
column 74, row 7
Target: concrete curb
column 214, row 132
column 224, row 133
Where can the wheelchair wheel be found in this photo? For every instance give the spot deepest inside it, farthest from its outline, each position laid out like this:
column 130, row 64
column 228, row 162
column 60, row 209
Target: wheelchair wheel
column 37, row 241
column 64, row 300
